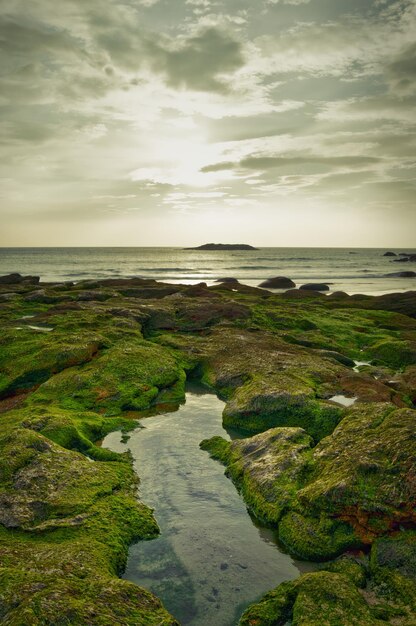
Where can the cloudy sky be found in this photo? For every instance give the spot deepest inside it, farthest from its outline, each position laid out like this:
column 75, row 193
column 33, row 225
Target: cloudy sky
column 176, row 122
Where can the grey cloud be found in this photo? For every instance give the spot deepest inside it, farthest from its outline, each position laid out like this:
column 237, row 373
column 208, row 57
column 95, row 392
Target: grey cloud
column 261, row 163
column 20, row 37
column 270, row 162
column 401, row 71
column 199, row 61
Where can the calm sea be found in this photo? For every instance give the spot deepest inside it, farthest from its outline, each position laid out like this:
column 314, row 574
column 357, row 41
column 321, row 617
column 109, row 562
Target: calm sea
column 351, row 270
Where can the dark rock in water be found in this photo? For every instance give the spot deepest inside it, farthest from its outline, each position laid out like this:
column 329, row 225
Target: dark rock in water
column 227, row 279
column 315, row 287
column 406, row 274
column 15, row 279
column 11, row 279
column 223, row 246
column 389, row 254
column 278, row 282
column 405, row 257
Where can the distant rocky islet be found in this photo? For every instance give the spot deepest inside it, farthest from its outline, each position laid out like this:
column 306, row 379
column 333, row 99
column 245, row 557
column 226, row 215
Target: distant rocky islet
column 223, row 246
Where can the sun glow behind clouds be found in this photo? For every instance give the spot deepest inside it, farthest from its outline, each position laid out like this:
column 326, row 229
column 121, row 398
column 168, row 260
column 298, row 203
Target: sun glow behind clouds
column 279, row 121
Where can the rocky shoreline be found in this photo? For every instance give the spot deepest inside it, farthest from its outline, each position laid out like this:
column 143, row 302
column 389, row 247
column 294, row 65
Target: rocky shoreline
column 337, row 481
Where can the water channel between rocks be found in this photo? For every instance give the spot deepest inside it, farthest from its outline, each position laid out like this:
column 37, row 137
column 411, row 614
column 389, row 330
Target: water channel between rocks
column 211, row 560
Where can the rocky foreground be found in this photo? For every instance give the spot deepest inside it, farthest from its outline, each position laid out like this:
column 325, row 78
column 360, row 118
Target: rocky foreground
column 337, row 481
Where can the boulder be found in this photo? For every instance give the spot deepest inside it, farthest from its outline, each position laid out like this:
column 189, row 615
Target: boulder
column 338, row 294
column 278, row 282
column 15, row 279
column 227, row 279
column 389, row 254
column 315, row 287
column 11, row 279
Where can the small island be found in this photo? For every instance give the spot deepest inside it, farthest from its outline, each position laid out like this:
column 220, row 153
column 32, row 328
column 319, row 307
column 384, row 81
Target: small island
column 223, row 246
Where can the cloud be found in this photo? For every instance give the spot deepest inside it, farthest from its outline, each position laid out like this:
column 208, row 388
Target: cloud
column 353, row 45
column 198, row 62
column 294, row 2
column 401, row 71
column 262, row 163
column 196, row 103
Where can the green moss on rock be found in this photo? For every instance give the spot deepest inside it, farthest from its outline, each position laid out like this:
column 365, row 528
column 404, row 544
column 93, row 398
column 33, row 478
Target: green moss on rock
column 127, row 376
column 317, row 599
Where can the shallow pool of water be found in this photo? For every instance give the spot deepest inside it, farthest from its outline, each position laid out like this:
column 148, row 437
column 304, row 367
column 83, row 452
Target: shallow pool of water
column 211, row 560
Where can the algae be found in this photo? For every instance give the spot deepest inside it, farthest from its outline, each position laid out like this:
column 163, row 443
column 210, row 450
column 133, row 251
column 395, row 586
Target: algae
column 329, row 478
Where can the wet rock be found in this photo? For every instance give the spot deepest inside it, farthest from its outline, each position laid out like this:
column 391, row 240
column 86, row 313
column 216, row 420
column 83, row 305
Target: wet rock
column 338, row 294
column 227, row 279
column 314, row 287
column 278, row 282
column 313, row 599
column 11, row 279
column 266, row 467
column 16, row 279
column 353, row 487
column 389, row 254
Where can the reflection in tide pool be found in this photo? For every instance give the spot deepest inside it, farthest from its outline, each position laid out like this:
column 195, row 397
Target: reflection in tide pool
column 210, row 560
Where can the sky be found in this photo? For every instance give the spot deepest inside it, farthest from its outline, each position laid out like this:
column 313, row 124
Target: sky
column 180, row 122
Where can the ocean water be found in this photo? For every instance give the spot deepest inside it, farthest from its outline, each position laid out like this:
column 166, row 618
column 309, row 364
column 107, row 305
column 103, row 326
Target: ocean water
column 357, row 270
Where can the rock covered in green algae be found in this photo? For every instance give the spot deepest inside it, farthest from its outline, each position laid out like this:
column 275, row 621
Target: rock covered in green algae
column 354, row 486
column 347, row 592
column 364, row 471
column 119, row 344
column 316, row 599
column 127, row 376
column 28, row 358
column 72, row 521
column 58, row 598
column 393, row 569
column 268, row 468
